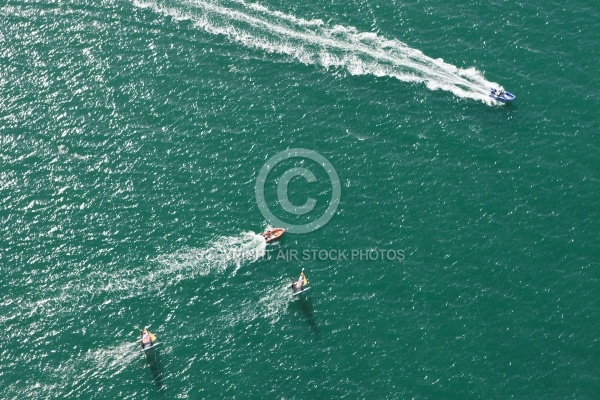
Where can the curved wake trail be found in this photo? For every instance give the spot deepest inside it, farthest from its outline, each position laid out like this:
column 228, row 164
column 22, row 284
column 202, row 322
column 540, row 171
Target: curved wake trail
column 60, row 307
column 217, row 256
column 312, row 42
column 101, row 288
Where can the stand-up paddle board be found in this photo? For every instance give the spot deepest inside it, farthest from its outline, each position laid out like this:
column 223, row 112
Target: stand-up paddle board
column 150, row 347
column 302, row 282
column 301, row 291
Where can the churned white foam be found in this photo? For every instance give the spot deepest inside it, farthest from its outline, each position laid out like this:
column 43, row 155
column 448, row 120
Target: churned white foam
column 219, row 254
column 312, row 42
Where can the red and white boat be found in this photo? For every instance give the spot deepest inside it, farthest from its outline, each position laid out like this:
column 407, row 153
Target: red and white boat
column 273, row 234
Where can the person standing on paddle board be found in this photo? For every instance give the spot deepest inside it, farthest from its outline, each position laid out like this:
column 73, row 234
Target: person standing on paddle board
column 299, row 285
column 146, row 339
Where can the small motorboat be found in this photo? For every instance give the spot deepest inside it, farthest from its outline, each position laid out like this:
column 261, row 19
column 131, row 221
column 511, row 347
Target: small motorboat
column 273, row 234
column 501, row 95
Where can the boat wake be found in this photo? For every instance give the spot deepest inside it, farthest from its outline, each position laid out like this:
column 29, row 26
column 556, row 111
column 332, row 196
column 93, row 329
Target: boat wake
column 313, row 42
column 217, row 256
column 79, row 301
column 220, row 254
column 103, row 288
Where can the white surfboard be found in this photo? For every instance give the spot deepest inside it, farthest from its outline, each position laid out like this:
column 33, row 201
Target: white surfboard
column 301, row 292
column 150, row 347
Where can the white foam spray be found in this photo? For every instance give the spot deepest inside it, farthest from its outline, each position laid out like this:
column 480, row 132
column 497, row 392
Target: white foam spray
column 313, row 42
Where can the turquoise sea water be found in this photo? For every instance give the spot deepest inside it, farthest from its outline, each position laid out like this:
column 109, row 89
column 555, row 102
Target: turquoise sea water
column 131, row 137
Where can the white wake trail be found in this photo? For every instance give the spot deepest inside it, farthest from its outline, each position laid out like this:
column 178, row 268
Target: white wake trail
column 312, row 42
column 222, row 254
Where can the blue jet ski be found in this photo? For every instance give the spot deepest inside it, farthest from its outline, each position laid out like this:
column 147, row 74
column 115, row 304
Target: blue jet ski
column 501, row 95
